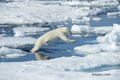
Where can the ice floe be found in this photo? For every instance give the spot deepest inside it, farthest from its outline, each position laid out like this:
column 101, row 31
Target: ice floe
column 24, row 31
column 95, row 3
column 96, row 19
column 119, row 7
column 97, row 48
column 108, row 43
column 29, row 13
column 113, row 14
column 60, row 68
column 16, row 41
column 11, row 53
column 102, row 30
column 85, row 30
column 112, row 37
column 81, row 29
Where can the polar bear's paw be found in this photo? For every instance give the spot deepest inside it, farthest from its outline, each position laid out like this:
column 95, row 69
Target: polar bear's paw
column 71, row 41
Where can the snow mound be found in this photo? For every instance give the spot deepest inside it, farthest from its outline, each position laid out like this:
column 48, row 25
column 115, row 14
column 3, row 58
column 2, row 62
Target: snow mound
column 16, row 41
column 23, row 31
column 11, row 53
column 112, row 37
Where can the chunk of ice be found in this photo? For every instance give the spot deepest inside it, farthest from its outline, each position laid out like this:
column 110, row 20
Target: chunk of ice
column 11, row 53
column 112, row 37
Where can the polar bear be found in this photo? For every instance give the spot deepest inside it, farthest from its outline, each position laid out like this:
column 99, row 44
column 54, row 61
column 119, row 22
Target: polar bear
column 50, row 36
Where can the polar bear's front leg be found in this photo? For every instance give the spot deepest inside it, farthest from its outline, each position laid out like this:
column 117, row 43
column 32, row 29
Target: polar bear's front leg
column 64, row 38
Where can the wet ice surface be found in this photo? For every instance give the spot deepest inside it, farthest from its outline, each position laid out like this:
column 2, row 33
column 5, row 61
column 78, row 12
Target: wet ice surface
column 89, row 54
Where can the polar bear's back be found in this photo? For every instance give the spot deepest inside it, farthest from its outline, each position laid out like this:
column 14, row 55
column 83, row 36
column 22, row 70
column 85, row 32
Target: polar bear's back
column 53, row 34
column 49, row 36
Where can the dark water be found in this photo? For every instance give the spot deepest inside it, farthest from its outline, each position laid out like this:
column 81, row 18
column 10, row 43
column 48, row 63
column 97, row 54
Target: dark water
column 106, row 21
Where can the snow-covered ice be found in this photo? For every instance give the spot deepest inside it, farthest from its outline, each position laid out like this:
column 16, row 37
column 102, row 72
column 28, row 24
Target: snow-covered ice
column 35, row 12
column 95, row 3
column 94, row 56
column 28, row 12
column 112, row 37
column 11, row 53
column 23, row 31
column 83, row 30
column 113, row 14
column 102, row 30
column 60, row 68
column 16, row 41
column 119, row 7
column 97, row 48
column 107, row 43
column 96, row 19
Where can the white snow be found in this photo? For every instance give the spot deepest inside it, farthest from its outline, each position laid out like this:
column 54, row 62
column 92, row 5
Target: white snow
column 106, row 52
column 108, row 43
column 11, row 53
column 102, row 30
column 96, row 19
column 97, row 3
column 97, row 48
column 35, row 12
column 23, row 31
column 60, row 68
column 83, row 30
column 119, row 7
column 112, row 37
column 87, row 49
column 16, row 41
column 113, row 14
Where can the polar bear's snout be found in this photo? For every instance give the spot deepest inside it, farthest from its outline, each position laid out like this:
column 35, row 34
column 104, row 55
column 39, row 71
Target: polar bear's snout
column 69, row 32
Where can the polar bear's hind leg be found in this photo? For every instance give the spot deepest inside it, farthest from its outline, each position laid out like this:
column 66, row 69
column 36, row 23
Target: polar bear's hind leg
column 37, row 45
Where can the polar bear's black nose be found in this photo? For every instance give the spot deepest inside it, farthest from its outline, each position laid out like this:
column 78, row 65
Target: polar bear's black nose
column 70, row 32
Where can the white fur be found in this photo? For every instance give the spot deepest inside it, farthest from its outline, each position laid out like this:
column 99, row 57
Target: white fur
column 50, row 36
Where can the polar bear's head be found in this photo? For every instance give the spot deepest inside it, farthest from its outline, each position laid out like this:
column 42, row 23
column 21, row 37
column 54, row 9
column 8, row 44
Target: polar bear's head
column 65, row 30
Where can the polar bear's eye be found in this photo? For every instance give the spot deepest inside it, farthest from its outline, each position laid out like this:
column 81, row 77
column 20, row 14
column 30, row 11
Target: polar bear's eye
column 66, row 29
